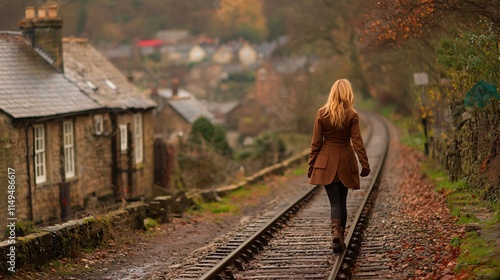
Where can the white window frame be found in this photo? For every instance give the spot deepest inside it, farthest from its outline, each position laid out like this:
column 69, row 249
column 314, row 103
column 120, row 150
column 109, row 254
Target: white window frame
column 98, row 124
column 69, row 149
column 123, row 138
column 138, row 139
column 39, row 156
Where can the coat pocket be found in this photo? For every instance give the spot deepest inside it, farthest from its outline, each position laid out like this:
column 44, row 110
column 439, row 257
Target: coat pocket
column 321, row 161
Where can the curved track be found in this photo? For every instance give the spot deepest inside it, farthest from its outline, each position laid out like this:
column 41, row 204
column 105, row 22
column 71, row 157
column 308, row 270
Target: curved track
column 293, row 241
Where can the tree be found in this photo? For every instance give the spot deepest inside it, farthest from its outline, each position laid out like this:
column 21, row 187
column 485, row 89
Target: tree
column 471, row 56
column 325, row 28
column 267, row 147
column 391, row 23
column 203, row 132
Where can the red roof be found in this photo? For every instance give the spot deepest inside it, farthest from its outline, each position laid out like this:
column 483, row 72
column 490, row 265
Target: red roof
column 150, row 43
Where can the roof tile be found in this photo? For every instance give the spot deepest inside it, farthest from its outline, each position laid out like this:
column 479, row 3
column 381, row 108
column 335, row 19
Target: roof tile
column 83, row 64
column 30, row 87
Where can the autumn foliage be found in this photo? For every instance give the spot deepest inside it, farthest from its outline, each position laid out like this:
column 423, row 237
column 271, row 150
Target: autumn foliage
column 390, row 23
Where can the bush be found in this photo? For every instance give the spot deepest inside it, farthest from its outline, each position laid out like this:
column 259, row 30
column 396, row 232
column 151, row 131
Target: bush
column 214, row 136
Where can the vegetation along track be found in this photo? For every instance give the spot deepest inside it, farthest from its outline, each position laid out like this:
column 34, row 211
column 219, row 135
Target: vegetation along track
column 293, row 240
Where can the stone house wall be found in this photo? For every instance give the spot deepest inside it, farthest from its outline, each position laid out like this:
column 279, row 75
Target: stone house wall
column 167, row 122
column 93, row 165
column 139, row 182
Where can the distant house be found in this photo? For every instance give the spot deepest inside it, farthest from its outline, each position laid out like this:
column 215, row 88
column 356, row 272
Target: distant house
column 266, row 49
column 222, row 110
column 172, row 36
column 278, row 81
column 61, row 134
column 223, row 55
column 177, row 110
column 248, row 118
column 247, row 55
column 149, row 47
column 196, row 54
column 275, row 97
column 176, row 54
column 203, row 79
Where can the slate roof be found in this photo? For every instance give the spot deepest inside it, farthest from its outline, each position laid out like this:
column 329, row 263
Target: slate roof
column 289, row 65
column 95, row 75
column 186, row 105
column 31, row 87
column 222, row 107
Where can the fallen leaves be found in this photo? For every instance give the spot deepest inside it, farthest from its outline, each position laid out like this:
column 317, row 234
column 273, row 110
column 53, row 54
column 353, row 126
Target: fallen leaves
column 415, row 222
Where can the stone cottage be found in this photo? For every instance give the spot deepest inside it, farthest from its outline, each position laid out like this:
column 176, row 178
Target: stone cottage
column 177, row 110
column 128, row 124
column 64, row 136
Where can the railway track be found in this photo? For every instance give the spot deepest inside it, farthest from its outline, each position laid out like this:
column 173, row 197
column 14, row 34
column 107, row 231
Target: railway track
column 293, row 240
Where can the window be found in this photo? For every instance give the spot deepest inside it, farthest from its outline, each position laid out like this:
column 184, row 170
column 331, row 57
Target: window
column 69, row 149
column 98, row 125
column 39, row 145
column 110, row 84
column 123, row 137
column 138, row 137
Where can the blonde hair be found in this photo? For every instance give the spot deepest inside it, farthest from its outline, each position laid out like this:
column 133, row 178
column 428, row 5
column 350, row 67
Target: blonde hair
column 340, row 100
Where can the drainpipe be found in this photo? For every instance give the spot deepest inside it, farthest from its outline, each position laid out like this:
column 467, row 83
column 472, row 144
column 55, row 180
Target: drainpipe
column 115, row 180
column 28, row 169
column 130, row 160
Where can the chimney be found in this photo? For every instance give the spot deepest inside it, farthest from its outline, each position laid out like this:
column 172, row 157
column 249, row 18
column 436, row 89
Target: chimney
column 175, row 87
column 44, row 28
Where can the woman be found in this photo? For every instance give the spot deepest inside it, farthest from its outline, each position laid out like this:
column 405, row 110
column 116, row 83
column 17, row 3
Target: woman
column 332, row 162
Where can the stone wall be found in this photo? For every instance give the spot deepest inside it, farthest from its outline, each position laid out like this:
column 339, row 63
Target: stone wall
column 67, row 240
column 469, row 145
column 168, row 130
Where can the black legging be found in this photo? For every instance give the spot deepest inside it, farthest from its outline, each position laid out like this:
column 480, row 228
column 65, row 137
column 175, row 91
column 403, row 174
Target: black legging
column 337, row 194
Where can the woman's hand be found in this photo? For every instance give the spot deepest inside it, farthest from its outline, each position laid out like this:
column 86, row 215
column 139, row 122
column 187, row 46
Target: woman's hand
column 365, row 172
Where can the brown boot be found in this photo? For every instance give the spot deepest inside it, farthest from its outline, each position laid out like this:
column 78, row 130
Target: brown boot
column 338, row 244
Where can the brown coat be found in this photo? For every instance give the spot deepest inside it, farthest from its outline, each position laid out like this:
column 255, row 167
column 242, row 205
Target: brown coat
column 332, row 152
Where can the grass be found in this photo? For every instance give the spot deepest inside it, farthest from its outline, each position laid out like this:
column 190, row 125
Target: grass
column 298, row 172
column 478, row 257
column 66, row 267
column 232, row 203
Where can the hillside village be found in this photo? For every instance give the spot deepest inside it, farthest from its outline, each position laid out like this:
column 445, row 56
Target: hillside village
column 84, row 127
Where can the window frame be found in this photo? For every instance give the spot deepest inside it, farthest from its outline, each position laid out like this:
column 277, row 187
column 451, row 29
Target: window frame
column 69, row 149
column 98, row 124
column 39, row 154
column 123, row 137
column 138, row 138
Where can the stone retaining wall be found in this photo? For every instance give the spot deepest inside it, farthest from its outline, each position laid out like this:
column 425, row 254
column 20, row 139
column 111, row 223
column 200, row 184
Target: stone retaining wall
column 467, row 145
